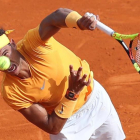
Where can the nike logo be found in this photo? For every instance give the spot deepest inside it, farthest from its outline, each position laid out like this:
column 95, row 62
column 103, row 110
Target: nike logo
column 62, row 109
column 43, row 85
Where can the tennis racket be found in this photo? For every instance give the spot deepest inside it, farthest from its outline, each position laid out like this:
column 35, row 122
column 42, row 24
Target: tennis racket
column 133, row 51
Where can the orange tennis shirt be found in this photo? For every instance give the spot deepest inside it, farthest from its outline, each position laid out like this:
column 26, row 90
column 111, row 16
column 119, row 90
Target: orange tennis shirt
column 49, row 66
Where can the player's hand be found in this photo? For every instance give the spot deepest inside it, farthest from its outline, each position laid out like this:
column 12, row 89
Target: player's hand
column 76, row 81
column 88, row 21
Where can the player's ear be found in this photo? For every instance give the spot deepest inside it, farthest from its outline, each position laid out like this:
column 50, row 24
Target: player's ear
column 12, row 42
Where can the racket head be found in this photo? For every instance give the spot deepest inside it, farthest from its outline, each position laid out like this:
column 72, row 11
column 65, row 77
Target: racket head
column 134, row 47
column 134, row 51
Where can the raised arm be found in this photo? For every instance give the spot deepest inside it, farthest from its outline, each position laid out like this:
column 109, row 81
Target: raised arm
column 64, row 18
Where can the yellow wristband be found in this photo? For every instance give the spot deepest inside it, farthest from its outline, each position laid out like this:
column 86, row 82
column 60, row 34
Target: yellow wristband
column 65, row 108
column 71, row 19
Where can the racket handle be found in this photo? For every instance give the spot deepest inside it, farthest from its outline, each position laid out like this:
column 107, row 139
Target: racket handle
column 104, row 28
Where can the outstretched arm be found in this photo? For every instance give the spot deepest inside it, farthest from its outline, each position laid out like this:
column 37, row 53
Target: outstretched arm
column 62, row 18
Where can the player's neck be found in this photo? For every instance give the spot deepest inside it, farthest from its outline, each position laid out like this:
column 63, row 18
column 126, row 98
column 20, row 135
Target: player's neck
column 24, row 70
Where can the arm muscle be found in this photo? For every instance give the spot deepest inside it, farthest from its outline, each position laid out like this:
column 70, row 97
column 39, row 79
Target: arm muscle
column 37, row 115
column 52, row 23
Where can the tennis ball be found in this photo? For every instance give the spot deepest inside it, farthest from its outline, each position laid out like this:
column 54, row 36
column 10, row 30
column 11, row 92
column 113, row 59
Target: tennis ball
column 4, row 63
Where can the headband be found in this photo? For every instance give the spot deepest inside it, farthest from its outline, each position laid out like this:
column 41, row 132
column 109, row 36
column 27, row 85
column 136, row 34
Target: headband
column 4, row 40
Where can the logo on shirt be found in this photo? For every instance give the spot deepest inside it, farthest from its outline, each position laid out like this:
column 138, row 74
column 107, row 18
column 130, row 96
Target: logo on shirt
column 43, row 85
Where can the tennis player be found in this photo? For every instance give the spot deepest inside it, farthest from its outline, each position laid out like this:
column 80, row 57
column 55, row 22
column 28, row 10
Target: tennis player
column 52, row 87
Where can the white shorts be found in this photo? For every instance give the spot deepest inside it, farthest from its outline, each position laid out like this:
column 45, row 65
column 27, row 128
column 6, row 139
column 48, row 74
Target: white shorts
column 97, row 119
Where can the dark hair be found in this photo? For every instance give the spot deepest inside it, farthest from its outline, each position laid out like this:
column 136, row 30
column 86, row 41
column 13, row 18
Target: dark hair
column 2, row 31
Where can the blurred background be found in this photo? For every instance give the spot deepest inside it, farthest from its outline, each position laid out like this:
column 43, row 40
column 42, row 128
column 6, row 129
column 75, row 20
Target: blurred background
column 109, row 62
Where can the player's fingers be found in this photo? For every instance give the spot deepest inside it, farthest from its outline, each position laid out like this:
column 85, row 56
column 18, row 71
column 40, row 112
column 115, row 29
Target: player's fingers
column 85, row 22
column 88, row 82
column 93, row 19
column 89, row 17
column 71, row 71
column 93, row 25
column 97, row 17
column 79, row 73
column 82, row 80
column 85, row 16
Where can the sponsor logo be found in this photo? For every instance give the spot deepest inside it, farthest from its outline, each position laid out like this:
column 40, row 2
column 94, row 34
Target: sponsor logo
column 43, row 85
column 62, row 109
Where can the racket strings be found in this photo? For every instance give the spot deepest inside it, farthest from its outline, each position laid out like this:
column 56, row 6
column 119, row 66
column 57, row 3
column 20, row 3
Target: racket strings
column 136, row 49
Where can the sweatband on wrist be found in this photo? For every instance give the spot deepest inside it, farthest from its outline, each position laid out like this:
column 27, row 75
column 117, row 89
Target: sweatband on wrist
column 65, row 108
column 71, row 19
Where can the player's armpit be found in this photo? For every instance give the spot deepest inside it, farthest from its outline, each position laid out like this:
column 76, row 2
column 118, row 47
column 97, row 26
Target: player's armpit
column 37, row 115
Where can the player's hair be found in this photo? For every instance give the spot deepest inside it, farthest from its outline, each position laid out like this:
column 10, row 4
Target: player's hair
column 2, row 31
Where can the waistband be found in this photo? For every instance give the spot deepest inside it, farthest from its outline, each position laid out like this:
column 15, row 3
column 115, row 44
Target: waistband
column 90, row 100
column 97, row 107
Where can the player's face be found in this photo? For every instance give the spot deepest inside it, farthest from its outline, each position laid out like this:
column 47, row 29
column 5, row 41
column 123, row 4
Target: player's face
column 11, row 52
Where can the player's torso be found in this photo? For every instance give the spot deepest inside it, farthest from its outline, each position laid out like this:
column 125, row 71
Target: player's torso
column 49, row 67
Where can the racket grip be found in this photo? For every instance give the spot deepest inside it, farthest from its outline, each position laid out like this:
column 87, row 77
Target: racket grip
column 104, row 28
